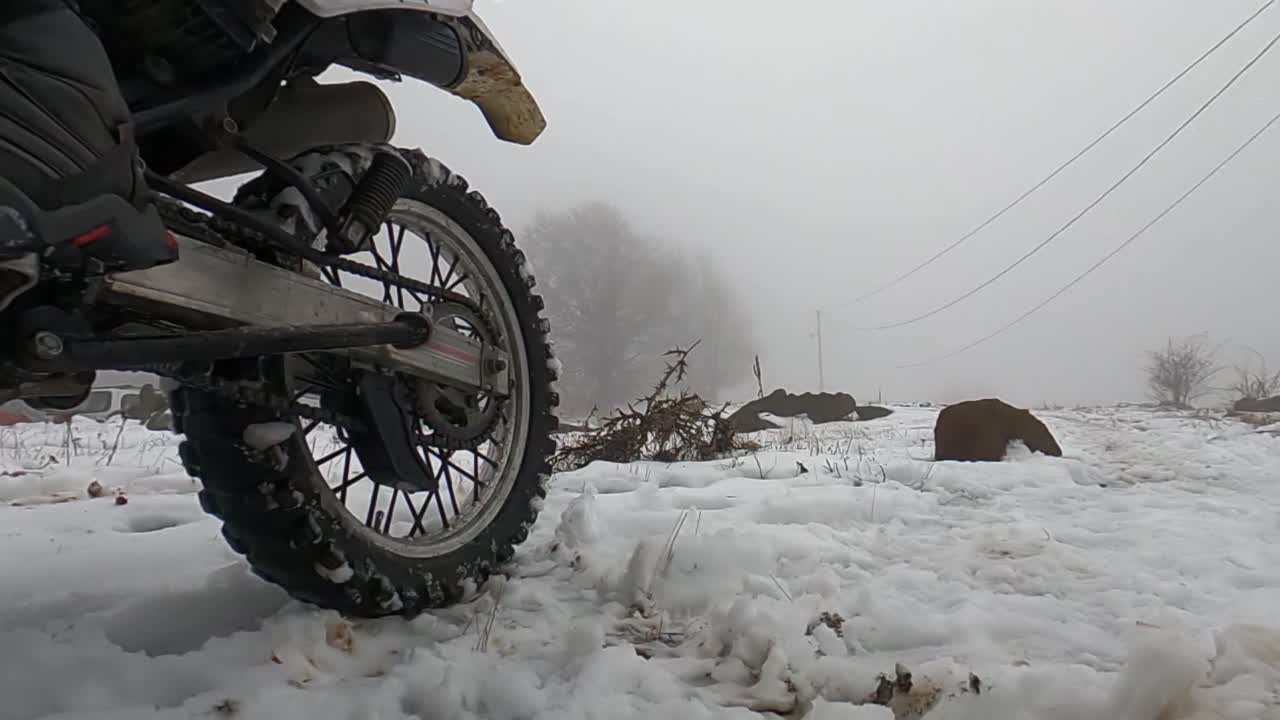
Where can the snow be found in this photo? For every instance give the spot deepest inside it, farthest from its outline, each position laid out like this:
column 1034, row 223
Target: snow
column 1136, row 578
column 263, row 436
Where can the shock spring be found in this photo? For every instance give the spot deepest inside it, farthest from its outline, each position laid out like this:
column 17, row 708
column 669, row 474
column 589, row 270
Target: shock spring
column 383, row 183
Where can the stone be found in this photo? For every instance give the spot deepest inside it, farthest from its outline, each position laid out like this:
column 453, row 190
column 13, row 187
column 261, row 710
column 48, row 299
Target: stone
column 1258, row 405
column 819, row 408
column 872, row 412
column 981, row 430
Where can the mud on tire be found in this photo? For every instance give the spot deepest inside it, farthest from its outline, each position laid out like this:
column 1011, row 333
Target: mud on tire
column 280, row 513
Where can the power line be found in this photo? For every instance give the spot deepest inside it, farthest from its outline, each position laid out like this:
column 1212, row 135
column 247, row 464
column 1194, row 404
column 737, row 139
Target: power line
column 1275, row 118
column 1009, row 268
column 1018, row 200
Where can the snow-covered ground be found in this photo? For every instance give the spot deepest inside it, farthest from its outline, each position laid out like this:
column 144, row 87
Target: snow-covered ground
column 1099, row 586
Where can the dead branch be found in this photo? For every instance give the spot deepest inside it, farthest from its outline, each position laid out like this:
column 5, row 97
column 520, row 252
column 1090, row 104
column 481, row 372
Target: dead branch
column 665, row 426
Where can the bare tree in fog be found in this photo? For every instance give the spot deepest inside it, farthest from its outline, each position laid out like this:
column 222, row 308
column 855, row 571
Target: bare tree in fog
column 1180, row 372
column 618, row 299
column 1254, row 381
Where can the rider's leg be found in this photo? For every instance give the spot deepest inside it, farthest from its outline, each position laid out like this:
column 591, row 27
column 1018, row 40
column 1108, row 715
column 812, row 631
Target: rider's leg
column 66, row 139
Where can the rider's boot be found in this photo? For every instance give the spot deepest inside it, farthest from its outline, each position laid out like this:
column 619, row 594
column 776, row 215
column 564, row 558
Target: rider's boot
column 72, row 191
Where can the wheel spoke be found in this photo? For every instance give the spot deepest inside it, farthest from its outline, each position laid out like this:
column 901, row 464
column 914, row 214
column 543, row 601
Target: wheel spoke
column 436, row 277
column 346, row 484
column 398, row 242
column 373, row 504
column 453, row 265
column 473, row 477
column 444, row 519
column 346, row 472
column 445, row 280
column 395, row 263
column 309, row 427
column 330, row 376
column 461, row 279
column 417, row 298
column 391, row 511
column 417, row 515
column 453, row 498
column 333, row 455
column 382, row 265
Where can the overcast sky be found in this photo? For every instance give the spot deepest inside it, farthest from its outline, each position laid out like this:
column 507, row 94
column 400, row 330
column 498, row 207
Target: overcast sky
column 820, row 148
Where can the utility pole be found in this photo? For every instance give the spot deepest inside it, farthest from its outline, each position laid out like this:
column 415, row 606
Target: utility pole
column 821, row 381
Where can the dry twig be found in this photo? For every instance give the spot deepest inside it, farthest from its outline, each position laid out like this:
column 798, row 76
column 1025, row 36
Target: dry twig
column 664, row 426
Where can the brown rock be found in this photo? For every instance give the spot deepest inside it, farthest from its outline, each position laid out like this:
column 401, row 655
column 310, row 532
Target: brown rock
column 981, row 430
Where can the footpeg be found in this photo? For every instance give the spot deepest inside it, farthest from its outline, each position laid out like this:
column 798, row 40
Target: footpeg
column 102, row 233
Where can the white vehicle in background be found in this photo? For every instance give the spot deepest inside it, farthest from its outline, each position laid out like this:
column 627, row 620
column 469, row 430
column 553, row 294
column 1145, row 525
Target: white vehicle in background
column 102, row 404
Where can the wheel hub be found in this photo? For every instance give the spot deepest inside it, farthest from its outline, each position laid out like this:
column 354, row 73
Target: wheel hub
column 459, row 420
column 456, row 416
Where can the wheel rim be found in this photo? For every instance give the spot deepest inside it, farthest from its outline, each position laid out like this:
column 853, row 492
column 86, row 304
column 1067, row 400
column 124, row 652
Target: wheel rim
column 473, row 484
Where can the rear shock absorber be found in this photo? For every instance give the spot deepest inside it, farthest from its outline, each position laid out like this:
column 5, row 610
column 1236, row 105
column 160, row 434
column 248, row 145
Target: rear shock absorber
column 383, row 183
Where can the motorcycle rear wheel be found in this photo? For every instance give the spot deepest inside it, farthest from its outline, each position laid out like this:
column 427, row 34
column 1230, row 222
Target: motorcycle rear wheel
column 279, row 508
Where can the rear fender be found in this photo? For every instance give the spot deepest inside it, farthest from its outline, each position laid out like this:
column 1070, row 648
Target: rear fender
column 490, row 80
column 495, row 86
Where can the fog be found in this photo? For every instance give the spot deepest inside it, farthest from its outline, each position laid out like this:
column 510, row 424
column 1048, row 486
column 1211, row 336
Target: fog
column 821, row 148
